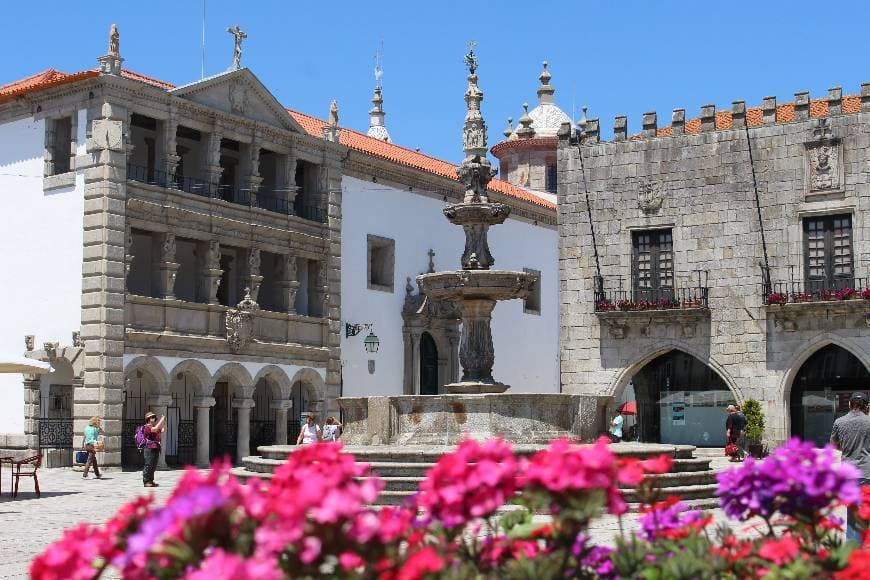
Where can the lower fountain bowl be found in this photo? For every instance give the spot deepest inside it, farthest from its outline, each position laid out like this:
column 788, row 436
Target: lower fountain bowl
column 477, row 285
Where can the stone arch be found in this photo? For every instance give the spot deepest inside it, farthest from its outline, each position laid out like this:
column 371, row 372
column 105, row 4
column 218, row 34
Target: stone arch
column 279, row 381
column 617, row 386
column 312, row 382
column 238, row 377
column 797, row 362
column 152, row 367
column 197, row 370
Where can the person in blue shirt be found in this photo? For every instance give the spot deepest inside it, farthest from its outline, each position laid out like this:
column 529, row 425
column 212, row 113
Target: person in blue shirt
column 616, row 428
column 92, row 435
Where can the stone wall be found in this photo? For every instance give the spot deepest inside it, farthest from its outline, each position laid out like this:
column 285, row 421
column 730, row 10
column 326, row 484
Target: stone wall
column 701, row 186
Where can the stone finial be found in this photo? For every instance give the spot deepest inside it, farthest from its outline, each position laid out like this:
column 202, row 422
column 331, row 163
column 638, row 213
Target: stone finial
column 678, row 121
column 525, row 131
column 238, row 36
column 331, row 130
column 474, row 128
column 620, row 128
column 650, row 124
column 768, row 110
column 333, row 112
column 708, row 117
column 377, row 127
column 77, row 339
column 738, row 114
column 835, row 101
column 110, row 63
column 29, row 342
column 509, row 129
column 802, row 106
column 546, row 90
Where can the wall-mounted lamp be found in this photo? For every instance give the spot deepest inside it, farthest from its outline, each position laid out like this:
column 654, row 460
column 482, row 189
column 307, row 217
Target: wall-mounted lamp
column 372, row 343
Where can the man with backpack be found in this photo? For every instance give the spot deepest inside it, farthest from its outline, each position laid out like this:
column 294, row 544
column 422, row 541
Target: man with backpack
column 148, row 441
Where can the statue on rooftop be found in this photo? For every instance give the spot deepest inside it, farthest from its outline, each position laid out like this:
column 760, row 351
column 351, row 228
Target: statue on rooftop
column 333, row 113
column 114, row 41
column 238, row 36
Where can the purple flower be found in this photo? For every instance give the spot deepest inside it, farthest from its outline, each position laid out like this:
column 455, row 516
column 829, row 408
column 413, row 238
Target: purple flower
column 199, row 501
column 590, row 557
column 797, row 479
column 668, row 517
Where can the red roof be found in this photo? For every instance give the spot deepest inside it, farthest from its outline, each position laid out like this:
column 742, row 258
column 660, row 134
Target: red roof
column 350, row 138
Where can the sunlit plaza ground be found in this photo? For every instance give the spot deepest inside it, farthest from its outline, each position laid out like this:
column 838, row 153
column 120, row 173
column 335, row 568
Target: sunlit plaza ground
column 28, row 524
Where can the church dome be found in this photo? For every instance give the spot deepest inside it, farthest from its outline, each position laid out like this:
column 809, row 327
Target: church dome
column 547, row 117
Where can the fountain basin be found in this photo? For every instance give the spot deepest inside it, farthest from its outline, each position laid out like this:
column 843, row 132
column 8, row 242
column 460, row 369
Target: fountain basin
column 477, row 213
column 477, row 285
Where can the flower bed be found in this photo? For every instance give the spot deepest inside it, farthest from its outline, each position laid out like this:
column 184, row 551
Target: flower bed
column 312, row 519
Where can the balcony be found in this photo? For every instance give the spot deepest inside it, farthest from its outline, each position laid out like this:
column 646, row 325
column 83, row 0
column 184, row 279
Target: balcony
column 842, row 303
column 262, row 199
column 682, row 307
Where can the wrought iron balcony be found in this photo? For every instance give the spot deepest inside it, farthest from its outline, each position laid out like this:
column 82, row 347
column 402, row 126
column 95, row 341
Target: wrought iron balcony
column 646, row 299
column 262, row 199
column 810, row 291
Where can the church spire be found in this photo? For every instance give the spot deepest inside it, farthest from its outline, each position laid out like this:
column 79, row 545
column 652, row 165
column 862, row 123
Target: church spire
column 377, row 129
column 546, row 90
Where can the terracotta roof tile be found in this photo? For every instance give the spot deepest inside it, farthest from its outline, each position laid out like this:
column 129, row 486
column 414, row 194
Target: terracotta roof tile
column 350, row 138
column 365, row 144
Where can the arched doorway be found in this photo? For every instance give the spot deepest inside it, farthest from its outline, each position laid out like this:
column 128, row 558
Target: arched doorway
column 821, row 390
column 262, row 417
column 679, row 400
column 428, row 365
column 300, row 393
column 179, row 440
column 139, row 387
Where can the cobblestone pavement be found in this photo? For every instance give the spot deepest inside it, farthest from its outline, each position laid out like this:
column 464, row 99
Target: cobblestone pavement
column 28, row 524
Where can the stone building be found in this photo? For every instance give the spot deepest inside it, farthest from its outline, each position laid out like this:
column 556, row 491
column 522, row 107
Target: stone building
column 213, row 257
column 718, row 259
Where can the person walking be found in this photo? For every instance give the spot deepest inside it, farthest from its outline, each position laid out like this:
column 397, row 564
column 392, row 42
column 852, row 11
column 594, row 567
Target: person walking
column 92, row 435
column 851, row 435
column 152, row 430
column 330, row 430
column 310, row 432
column 734, row 426
column 616, row 428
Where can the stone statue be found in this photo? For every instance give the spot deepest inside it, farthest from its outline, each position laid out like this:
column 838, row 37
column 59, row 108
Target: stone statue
column 29, row 340
column 238, row 37
column 333, row 113
column 254, row 263
column 114, row 41
column 167, row 251
column 471, row 58
column 213, row 255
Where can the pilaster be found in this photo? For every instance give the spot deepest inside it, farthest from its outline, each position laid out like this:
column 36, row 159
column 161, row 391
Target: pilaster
column 253, row 278
column 103, row 278
column 32, row 411
column 210, row 275
column 288, row 282
column 333, row 167
column 170, row 144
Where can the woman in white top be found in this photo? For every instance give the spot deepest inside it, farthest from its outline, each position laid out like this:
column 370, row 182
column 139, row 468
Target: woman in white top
column 310, row 432
column 330, row 430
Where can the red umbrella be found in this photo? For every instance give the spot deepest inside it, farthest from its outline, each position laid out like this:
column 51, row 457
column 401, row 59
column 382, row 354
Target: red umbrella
column 628, row 408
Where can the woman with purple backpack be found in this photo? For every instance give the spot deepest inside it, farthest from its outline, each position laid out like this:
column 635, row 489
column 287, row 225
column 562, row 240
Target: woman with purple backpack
column 148, row 439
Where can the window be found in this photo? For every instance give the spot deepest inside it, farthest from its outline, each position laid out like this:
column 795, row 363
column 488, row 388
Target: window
column 58, row 146
column 828, row 252
column 532, row 304
column 652, row 265
column 381, row 263
column 551, row 178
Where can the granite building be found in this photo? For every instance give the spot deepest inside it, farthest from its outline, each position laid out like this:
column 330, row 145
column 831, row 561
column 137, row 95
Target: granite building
column 717, row 259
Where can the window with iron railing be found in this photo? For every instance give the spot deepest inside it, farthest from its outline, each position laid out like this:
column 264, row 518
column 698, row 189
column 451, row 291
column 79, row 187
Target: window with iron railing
column 828, row 252
column 652, row 264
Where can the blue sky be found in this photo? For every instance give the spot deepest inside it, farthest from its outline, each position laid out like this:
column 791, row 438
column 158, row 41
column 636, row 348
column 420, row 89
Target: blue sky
column 615, row 57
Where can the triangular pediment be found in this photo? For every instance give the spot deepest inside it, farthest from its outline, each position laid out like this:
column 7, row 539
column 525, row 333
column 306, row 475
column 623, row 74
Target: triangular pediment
column 241, row 93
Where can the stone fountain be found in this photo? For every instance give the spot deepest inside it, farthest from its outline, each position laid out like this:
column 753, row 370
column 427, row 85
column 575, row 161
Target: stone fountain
column 476, row 288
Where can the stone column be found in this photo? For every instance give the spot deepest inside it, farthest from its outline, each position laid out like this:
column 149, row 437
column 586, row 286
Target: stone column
column 288, row 182
column 415, row 363
column 453, row 366
column 213, row 169
column 167, row 268
column 102, row 312
column 254, row 179
column 170, row 144
column 203, row 437
column 210, row 276
column 128, row 254
column 281, row 407
column 243, row 438
column 254, row 279
column 158, row 404
column 288, row 282
column 32, row 410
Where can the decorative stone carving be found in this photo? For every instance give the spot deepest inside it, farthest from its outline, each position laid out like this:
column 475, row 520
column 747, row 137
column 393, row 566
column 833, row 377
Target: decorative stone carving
column 237, row 95
column 824, row 161
column 240, row 323
column 210, row 279
column 649, row 197
column 238, row 36
column 110, row 63
column 77, row 339
column 114, row 41
column 167, row 248
column 29, row 342
column 331, row 131
column 167, row 267
column 50, row 349
column 254, row 277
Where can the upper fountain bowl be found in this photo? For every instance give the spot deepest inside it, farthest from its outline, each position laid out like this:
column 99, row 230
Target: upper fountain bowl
column 477, row 213
column 477, row 285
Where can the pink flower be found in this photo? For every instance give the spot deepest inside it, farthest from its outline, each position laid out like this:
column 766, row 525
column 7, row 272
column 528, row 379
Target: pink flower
column 73, row 556
column 660, row 464
column 420, row 563
column 310, row 549
column 780, row 551
column 471, row 482
column 220, row 565
column 350, row 561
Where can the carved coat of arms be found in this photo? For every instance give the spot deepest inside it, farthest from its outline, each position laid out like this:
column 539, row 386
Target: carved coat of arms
column 824, row 162
column 240, row 323
column 649, row 197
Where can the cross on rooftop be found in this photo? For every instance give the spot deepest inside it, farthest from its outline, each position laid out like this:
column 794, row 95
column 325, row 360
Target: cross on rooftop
column 822, row 131
column 238, row 36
